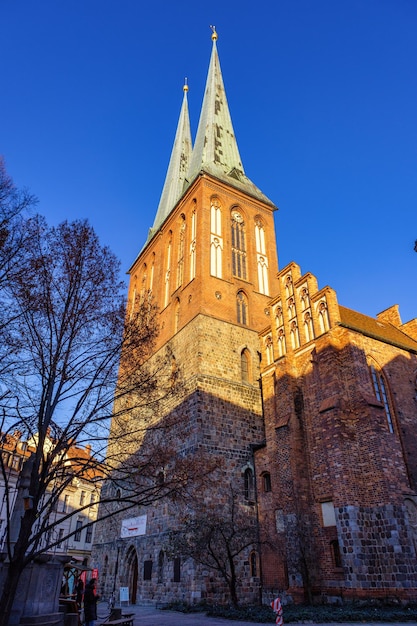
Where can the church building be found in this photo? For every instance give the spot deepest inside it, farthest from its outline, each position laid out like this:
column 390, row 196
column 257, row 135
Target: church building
column 308, row 409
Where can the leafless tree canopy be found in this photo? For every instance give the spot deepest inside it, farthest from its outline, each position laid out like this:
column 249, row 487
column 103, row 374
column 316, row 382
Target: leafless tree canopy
column 70, row 362
column 215, row 536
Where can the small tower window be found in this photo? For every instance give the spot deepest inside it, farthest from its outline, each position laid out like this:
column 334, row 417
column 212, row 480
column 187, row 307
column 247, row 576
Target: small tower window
column 249, row 486
column 242, row 308
column 244, row 365
column 253, row 564
column 335, row 551
column 266, row 482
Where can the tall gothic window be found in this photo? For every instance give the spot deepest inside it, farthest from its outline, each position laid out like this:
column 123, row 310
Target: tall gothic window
column 295, row 337
column 244, row 365
column 308, row 326
column 249, row 484
column 193, row 245
column 261, row 258
column 282, row 348
column 168, row 269
column 289, row 289
column 323, row 315
column 242, row 308
column 238, row 246
column 143, row 282
column 216, row 239
column 380, row 389
column 181, row 247
column 151, row 277
column 133, row 301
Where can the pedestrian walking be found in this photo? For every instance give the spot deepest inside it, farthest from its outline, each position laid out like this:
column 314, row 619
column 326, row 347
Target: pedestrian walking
column 90, row 603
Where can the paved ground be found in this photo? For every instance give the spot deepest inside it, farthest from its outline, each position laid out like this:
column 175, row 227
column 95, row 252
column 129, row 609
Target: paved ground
column 150, row 616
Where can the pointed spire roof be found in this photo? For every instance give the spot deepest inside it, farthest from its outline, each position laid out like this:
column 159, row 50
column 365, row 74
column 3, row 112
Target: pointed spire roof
column 178, row 165
column 215, row 149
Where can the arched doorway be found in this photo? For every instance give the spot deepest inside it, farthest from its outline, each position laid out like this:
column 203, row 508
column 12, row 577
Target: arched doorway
column 132, row 573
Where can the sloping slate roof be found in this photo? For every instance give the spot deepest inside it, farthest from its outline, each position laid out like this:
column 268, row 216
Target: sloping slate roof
column 377, row 329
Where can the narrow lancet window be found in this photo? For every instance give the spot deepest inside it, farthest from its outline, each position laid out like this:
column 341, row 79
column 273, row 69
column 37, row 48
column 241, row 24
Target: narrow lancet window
column 261, row 258
column 242, row 308
column 193, row 245
column 168, row 271
column 181, row 247
column 238, row 246
column 216, row 240
column 323, row 315
column 380, row 388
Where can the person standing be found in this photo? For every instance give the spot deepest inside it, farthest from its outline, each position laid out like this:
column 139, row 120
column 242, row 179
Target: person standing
column 90, row 603
column 79, row 590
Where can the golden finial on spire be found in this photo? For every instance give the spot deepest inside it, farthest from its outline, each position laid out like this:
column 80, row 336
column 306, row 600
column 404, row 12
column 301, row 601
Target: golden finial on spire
column 214, row 35
column 185, row 88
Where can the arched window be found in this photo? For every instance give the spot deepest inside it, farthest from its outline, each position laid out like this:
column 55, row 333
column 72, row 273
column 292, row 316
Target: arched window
column 308, row 327
column 133, row 301
column 381, row 393
column 216, row 239
column 242, row 308
column 193, row 245
column 151, row 277
column 295, row 337
column 291, row 308
column 261, row 257
column 249, row 486
column 269, row 350
column 323, row 314
column 289, row 289
column 176, row 315
column 266, row 482
column 253, row 560
column 245, row 365
column 144, row 281
column 282, row 348
column 168, row 270
column 238, row 245
column 304, row 299
column 335, row 551
column 181, row 248
column 279, row 319
column 263, row 274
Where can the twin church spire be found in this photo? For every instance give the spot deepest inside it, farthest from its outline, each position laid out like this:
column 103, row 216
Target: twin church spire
column 215, row 150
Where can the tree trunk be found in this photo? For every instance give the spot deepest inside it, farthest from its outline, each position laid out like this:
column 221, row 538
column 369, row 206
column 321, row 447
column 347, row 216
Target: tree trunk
column 11, row 583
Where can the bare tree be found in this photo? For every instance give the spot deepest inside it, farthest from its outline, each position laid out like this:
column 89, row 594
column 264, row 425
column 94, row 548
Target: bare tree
column 216, row 537
column 66, row 333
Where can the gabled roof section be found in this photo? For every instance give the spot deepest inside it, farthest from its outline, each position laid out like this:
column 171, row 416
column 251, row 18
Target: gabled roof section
column 377, row 329
column 215, row 149
column 177, row 168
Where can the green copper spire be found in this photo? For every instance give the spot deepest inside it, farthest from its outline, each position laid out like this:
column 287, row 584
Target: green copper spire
column 215, row 149
column 178, row 166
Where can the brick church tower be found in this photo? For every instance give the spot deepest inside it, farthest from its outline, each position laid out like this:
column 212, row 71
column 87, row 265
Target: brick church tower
column 208, row 261
column 306, row 410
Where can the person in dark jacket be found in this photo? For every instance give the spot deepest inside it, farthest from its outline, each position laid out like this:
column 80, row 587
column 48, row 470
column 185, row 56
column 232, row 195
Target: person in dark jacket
column 79, row 591
column 90, row 603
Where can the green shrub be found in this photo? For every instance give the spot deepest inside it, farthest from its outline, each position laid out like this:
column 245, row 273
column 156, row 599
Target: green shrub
column 296, row 613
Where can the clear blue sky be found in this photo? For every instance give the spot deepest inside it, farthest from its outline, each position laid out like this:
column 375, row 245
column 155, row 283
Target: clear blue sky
column 323, row 97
